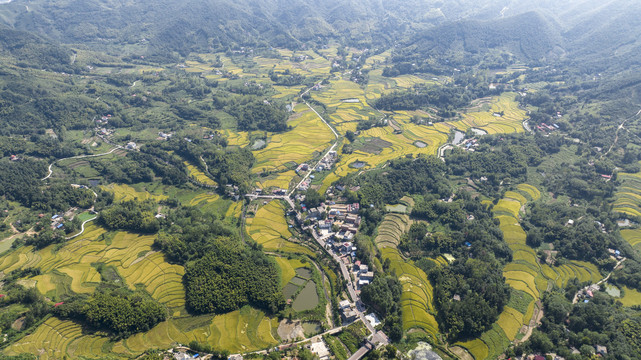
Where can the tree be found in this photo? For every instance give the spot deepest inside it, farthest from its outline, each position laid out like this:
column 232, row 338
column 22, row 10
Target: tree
column 313, row 198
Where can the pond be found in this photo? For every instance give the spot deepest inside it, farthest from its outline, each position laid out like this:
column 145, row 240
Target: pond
column 398, row 208
column 479, row 132
column 305, row 273
column 420, row 144
column 311, row 328
column 306, row 299
column 351, row 100
column 258, row 144
column 423, row 351
column 358, row 164
column 458, row 137
column 289, row 290
column 6, row 243
column 612, row 290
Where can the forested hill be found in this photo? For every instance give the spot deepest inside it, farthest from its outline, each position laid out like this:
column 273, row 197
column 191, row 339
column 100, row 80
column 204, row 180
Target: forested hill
column 165, row 26
column 529, row 36
column 27, row 48
column 168, row 25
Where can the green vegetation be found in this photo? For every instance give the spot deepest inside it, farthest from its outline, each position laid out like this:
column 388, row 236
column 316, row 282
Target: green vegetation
column 226, row 279
column 117, row 311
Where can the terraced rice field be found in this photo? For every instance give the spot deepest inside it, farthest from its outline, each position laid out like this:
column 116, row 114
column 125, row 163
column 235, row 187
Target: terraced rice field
column 236, row 138
column 628, row 196
column 58, row 339
column 124, row 192
column 288, row 269
column 401, row 145
column 391, row 229
column 523, row 274
column 269, row 228
column 125, row 253
column 203, row 199
column 416, row 301
column 510, row 122
column 633, row 237
column 235, row 211
column 278, row 180
column 239, row 331
column 308, row 137
column 631, row 297
column 198, row 175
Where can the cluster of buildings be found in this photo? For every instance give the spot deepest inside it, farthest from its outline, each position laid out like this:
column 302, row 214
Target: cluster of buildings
column 615, row 254
column 103, row 120
column 548, row 128
column 362, row 274
column 340, row 220
column 327, row 162
column 587, row 293
column 104, row 131
column 470, row 144
column 57, row 222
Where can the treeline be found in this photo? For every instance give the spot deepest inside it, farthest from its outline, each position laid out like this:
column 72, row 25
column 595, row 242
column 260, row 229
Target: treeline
column 502, row 159
column 446, row 98
column 574, row 232
column 403, row 176
column 20, row 181
column 116, row 310
column 151, row 162
column 226, row 165
column 469, row 296
column 229, row 277
column 465, row 44
column 30, row 50
column 131, row 215
column 261, row 115
column 221, row 273
column 383, row 295
column 583, row 326
column 192, row 234
column 467, row 229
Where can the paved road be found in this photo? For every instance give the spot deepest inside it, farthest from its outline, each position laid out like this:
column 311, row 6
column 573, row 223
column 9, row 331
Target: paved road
column 82, row 228
column 79, row 157
column 324, row 154
column 378, row 338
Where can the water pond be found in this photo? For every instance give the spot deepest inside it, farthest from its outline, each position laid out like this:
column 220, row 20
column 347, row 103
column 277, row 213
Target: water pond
column 458, row 137
column 306, row 299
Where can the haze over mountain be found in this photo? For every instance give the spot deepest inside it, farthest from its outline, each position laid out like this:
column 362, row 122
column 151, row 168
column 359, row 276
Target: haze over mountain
column 166, row 26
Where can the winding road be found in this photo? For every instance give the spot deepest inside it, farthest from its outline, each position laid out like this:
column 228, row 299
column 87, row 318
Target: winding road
column 616, row 137
column 79, row 157
column 82, row 228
